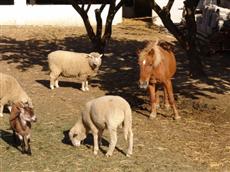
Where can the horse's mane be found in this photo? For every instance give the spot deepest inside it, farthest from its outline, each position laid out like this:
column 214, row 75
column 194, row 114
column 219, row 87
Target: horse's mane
column 163, row 44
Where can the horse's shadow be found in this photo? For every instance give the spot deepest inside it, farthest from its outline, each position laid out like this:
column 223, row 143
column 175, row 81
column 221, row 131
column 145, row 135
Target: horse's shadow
column 9, row 139
column 46, row 83
column 88, row 142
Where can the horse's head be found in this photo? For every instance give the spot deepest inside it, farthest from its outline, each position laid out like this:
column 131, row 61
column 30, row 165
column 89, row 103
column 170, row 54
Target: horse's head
column 149, row 58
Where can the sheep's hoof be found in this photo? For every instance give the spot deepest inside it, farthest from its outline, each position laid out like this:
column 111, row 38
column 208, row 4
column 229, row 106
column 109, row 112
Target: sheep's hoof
column 128, row 154
column 1, row 114
column 95, row 152
column 152, row 115
column 177, row 117
column 83, row 89
column 108, row 154
column 87, row 89
column 51, row 87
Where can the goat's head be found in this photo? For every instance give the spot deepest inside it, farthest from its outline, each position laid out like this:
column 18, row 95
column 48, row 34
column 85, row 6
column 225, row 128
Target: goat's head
column 27, row 113
column 95, row 59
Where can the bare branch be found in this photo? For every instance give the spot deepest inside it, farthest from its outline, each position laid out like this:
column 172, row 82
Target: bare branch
column 88, row 7
column 102, row 7
column 119, row 5
column 169, row 5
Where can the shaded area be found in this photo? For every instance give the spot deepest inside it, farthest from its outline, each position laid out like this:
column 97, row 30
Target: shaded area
column 9, row 139
column 119, row 71
column 88, row 142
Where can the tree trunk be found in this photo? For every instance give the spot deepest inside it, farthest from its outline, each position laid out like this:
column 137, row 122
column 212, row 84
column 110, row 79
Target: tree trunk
column 99, row 42
column 187, row 41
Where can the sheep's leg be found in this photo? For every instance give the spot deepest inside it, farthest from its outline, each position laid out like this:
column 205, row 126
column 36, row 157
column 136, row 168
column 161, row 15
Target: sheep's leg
column 130, row 147
column 83, row 86
column 9, row 108
column 56, row 83
column 95, row 142
column 113, row 141
column 100, row 132
column 86, row 85
column 3, row 101
column 53, row 79
column 1, row 110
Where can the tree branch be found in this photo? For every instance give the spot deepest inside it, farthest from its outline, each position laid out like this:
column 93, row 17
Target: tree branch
column 88, row 7
column 169, row 5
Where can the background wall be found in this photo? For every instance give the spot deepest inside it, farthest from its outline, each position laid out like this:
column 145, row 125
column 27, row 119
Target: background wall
column 63, row 15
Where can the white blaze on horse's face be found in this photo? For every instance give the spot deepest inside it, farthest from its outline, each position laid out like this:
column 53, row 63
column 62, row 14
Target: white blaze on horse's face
column 145, row 73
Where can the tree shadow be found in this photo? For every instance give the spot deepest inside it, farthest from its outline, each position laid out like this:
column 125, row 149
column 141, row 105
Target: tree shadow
column 119, row 72
column 46, row 83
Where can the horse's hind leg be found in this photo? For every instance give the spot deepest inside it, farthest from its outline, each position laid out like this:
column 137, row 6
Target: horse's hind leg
column 157, row 97
column 152, row 92
column 168, row 85
column 166, row 98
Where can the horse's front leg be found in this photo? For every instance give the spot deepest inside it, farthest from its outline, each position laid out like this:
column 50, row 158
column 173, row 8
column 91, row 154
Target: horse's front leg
column 152, row 89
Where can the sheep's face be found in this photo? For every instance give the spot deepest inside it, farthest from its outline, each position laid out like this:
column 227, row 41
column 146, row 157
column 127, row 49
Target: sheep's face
column 76, row 135
column 94, row 60
column 27, row 114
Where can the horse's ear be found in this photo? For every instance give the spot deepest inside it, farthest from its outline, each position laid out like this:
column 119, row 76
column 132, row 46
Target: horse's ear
column 151, row 52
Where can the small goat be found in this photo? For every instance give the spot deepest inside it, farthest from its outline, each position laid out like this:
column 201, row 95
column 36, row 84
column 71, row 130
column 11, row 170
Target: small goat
column 21, row 117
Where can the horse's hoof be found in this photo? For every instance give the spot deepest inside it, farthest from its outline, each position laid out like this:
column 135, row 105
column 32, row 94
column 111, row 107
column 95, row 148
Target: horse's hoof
column 167, row 106
column 152, row 115
column 177, row 117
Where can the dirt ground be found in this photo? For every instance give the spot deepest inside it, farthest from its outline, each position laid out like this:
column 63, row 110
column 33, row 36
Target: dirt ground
column 200, row 141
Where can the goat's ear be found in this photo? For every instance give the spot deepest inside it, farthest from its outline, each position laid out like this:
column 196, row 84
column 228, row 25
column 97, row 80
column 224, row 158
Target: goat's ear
column 22, row 111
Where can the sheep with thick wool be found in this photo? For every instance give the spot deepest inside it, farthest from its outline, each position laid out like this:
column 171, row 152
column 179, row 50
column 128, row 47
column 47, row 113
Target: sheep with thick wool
column 11, row 92
column 73, row 64
column 106, row 112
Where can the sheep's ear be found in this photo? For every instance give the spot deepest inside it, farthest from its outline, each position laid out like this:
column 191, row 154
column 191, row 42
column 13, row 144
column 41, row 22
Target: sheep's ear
column 100, row 55
column 89, row 56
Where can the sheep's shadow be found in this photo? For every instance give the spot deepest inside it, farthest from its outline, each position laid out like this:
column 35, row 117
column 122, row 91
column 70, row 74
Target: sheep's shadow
column 9, row 139
column 88, row 142
column 46, row 83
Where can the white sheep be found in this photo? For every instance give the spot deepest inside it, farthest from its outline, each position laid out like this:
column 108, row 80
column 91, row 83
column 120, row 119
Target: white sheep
column 73, row 64
column 106, row 112
column 11, row 92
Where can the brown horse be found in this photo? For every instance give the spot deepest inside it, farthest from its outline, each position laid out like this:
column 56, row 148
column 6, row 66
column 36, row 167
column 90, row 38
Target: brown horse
column 158, row 65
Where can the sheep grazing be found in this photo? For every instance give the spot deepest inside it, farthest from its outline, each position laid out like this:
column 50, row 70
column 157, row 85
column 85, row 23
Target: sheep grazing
column 72, row 64
column 11, row 92
column 106, row 112
column 21, row 117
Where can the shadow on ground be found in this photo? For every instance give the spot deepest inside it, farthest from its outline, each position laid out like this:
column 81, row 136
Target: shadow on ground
column 119, row 71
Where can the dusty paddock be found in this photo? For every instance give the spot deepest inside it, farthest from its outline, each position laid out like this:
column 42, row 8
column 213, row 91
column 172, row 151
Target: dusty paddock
column 200, row 141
